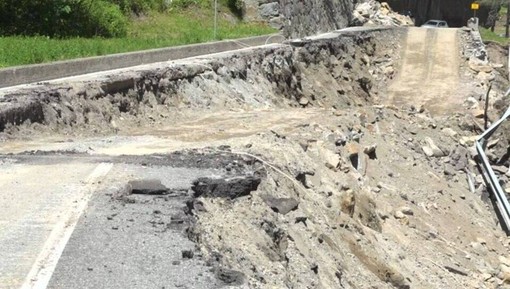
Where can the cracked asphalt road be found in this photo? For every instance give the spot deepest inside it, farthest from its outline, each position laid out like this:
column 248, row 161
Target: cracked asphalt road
column 54, row 237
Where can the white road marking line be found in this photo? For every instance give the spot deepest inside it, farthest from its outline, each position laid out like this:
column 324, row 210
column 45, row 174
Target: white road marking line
column 42, row 270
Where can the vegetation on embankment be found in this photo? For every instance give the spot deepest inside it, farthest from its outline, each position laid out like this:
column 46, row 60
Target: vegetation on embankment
column 148, row 24
column 498, row 35
column 488, row 35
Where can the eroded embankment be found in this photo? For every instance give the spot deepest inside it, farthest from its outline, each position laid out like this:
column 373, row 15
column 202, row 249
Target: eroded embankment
column 350, row 66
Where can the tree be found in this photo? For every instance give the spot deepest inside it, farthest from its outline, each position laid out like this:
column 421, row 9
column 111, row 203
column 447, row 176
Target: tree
column 62, row 18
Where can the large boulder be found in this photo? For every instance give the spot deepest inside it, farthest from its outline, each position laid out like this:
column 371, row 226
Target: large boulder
column 298, row 18
column 303, row 18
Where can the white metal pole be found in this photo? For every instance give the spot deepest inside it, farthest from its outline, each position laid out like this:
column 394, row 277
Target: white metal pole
column 215, row 17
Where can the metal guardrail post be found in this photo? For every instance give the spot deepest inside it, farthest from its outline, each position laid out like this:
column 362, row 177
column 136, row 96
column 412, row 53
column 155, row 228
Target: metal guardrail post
column 490, row 178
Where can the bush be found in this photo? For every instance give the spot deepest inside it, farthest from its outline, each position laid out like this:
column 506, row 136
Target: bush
column 236, row 6
column 62, row 18
column 139, row 7
column 183, row 4
column 100, row 18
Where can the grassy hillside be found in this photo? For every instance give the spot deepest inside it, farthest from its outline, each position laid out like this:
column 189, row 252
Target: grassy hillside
column 156, row 29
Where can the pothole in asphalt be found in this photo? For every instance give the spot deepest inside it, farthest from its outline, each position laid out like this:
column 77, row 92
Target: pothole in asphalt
column 147, row 187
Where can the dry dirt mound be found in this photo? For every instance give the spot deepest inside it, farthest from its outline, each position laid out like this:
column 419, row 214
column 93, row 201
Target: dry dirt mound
column 352, row 199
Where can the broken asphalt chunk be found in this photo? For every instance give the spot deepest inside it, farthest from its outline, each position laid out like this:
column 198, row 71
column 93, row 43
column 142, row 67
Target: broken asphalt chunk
column 230, row 188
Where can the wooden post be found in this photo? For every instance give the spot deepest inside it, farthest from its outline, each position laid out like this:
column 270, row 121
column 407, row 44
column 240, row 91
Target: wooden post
column 486, row 110
column 507, row 18
column 508, row 62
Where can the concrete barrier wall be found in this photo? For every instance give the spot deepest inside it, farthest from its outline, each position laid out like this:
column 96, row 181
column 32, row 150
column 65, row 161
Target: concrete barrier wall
column 47, row 71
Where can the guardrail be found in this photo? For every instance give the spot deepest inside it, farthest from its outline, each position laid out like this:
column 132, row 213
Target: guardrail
column 490, row 178
column 40, row 72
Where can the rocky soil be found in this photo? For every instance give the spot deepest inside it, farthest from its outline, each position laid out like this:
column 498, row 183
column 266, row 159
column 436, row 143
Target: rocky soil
column 328, row 186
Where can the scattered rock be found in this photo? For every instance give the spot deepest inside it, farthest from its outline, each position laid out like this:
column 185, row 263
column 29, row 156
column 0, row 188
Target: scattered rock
column 500, row 169
column 455, row 270
column 370, row 151
column 365, row 209
column 492, row 143
column 503, row 260
column 353, row 154
column 431, row 149
column 281, row 205
column 504, row 273
column 398, row 214
column 301, row 220
column 471, row 102
column 230, row 277
column 308, row 179
column 187, row 254
column 450, row 132
column 303, row 101
column 485, row 76
column 406, row 211
column 428, row 151
column 478, row 113
column 459, row 158
column 486, row 276
column 269, row 10
column 479, row 65
column 481, row 241
column 341, row 140
column 480, row 249
column 347, row 202
column 331, row 159
column 468, row 141
column 448, row 170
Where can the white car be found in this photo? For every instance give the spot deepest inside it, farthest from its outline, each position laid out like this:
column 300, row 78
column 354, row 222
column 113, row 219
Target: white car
column 435, row 24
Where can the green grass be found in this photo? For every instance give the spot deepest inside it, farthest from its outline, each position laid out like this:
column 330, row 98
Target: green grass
column 502, row 12
column 499, row 30
column 157, row 30
column 497, row 36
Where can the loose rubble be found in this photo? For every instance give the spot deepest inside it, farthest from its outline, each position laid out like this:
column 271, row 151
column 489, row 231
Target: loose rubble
column 374, row 13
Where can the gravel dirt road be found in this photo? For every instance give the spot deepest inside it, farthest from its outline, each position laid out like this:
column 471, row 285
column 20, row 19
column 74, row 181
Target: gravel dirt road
column 429, row 75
